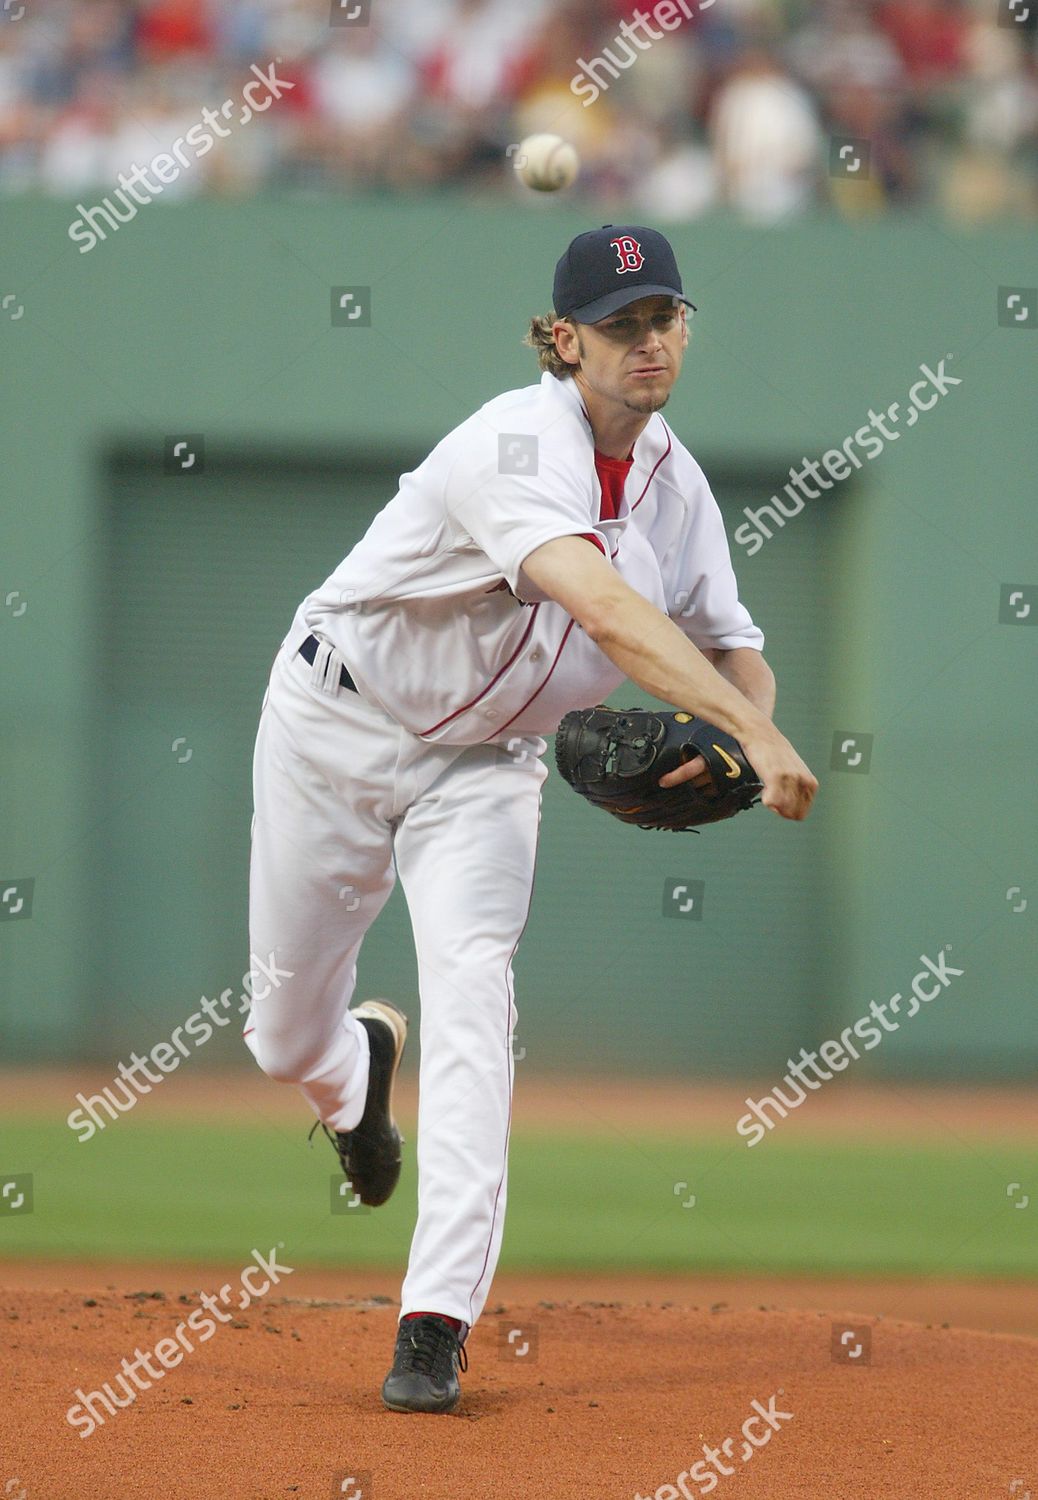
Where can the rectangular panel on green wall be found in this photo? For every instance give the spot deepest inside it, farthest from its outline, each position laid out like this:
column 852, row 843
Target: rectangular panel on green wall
column 202, row 578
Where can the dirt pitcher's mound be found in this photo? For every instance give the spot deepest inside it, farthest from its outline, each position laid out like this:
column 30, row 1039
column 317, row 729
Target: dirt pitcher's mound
column 561, row 1402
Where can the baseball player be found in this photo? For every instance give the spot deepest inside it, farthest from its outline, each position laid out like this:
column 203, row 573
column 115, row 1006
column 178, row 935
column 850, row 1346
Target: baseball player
column 558, row 541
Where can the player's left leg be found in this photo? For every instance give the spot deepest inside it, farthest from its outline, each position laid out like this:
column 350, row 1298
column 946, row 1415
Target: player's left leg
column 465, row 855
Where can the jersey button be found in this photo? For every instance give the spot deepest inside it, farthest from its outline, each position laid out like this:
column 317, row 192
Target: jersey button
column 536, row 654
column 490, row 713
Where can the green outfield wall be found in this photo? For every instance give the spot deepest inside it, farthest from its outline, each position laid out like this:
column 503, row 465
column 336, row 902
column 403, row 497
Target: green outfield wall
column 140, row 611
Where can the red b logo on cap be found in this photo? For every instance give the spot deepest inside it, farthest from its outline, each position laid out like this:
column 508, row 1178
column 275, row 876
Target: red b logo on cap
column 629, row 252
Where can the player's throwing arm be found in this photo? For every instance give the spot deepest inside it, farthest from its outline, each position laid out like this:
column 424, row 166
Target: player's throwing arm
column 656, row 654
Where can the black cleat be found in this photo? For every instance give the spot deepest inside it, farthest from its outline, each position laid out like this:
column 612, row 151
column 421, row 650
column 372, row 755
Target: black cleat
column 426, row 1361
column 370, row 1152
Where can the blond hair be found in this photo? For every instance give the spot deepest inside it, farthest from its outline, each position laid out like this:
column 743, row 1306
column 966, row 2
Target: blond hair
column 541, row 338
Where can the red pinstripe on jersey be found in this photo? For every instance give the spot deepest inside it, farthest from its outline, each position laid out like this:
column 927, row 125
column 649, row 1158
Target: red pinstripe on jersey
column 537, row 691
column 612, row 472
column 652, row 476
column 500, row 673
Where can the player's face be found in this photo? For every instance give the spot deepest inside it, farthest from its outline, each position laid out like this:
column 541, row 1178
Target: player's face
column 634, row 356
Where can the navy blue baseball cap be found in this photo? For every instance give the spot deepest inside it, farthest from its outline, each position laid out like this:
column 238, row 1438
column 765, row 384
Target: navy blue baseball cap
column 604, row 269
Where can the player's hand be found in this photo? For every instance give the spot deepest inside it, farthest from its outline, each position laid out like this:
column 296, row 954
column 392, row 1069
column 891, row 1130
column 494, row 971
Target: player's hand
column 789, row 785
column 789, row 789
column 693, row 770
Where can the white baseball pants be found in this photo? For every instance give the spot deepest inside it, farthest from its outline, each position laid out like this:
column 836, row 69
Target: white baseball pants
column 345, row 799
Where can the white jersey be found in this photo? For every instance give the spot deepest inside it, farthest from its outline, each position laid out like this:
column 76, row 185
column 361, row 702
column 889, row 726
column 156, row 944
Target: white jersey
column 436, row 620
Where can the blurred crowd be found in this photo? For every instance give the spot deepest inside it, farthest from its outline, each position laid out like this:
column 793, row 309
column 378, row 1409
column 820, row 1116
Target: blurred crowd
column 743, row 104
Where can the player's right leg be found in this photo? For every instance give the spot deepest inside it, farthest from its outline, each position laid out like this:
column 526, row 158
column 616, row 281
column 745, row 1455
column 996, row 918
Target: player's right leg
column 321, row 870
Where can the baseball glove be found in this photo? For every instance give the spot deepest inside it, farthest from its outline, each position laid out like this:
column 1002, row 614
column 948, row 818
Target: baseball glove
column 615, row 758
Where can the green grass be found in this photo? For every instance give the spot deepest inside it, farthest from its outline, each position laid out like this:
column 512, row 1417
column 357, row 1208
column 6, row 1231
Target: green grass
column 141, row 1191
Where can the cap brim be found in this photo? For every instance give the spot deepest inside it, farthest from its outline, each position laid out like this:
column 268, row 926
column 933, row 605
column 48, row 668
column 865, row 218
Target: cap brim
column 594, row 312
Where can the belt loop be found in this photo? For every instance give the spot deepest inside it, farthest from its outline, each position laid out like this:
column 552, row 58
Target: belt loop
column 325, row 674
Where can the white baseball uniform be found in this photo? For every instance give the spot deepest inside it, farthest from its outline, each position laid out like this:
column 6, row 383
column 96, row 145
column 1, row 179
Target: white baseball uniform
column 432, row 770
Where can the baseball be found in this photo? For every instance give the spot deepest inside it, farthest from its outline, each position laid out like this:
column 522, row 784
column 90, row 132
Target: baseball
column 546, row 163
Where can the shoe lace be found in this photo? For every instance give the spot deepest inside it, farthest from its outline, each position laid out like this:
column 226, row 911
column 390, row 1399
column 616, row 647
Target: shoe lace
column 320, row 1125
column 433, row 1348
column 333, row 1137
